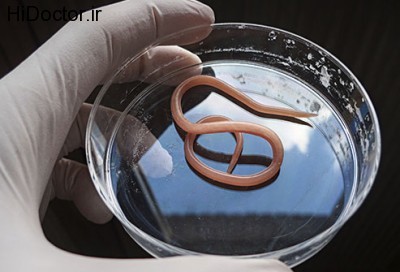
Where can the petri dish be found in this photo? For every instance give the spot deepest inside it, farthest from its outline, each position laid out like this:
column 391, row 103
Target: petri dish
column 136, row 156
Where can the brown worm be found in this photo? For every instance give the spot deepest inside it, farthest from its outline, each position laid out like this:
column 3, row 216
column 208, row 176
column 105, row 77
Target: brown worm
column 220, row 124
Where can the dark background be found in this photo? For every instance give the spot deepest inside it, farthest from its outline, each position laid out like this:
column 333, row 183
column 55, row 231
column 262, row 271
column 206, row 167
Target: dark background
column 362, row 34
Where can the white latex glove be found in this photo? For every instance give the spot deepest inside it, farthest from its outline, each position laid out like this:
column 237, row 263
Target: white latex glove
column 39, row 101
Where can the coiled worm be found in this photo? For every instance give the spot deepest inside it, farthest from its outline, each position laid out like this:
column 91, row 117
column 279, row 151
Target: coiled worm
column 220, row 124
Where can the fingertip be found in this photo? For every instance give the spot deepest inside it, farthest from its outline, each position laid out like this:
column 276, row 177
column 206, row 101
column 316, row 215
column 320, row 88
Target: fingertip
column 270, row 265
column 72, row 181
column 88, row 201
column 160, row 61
column 277, row 266
column 224, row 263
column 205, row 11
column 102, row 215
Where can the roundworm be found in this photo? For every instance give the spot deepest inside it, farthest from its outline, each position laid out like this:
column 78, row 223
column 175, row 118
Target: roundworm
column 220, row 124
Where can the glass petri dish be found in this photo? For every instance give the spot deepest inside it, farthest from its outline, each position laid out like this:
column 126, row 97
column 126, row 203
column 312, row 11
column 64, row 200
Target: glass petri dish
column 136, row 156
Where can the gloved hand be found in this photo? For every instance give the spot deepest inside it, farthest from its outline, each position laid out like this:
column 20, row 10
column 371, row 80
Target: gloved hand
column 39, row 102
